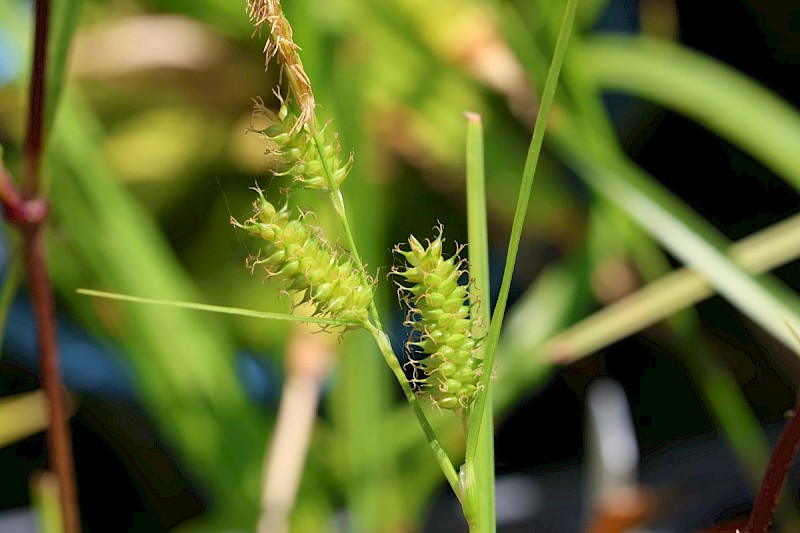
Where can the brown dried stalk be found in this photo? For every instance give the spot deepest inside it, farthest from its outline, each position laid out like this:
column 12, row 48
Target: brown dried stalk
column 280, row 43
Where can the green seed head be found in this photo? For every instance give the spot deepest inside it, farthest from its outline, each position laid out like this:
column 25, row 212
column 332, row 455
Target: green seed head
column 296, row 252
column 444, row 328
column 297, row 152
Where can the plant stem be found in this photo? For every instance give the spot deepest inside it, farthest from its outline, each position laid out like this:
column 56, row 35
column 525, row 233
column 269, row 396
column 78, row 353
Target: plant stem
column 770, row 491
column 59, row 445
column 281, row 43
column 338, row 205
column 34, row 137
column 29, row 212
column 281, row 36
column 13, row 206
column 441, row 456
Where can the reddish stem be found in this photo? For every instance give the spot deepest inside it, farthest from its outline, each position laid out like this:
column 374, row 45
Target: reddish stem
column 28, row 212
column 34, row 137
column 59, row 447
column 9, row 196
column 770, row 491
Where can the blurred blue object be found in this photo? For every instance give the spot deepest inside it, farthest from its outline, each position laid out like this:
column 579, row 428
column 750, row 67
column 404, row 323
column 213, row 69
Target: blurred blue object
column 9, row 60
column 91, row 367
column 619, row 16
column 18, row 520
column 10, row 54
column 88, row 367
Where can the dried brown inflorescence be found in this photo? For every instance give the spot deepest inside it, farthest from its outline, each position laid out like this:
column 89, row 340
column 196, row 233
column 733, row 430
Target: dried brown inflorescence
column 269, row 14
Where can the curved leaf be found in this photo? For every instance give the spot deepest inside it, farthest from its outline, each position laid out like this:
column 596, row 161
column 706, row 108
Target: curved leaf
column 716, row 96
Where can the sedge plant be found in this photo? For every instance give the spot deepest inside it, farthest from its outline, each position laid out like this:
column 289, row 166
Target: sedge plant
column 451, row 328
column 454, row 334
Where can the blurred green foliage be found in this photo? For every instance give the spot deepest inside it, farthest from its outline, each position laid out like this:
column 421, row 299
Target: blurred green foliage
column 149, row 159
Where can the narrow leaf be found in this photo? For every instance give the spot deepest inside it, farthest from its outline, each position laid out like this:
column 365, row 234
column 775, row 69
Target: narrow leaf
column 477, row 228
column 684, row 233
column 716, row 96
column 217, row 308
column 762, row 251
column 548, row 95
column 22, row 415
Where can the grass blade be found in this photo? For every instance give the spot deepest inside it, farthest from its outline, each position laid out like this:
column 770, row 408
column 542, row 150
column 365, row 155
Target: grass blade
column 482, row 471
column 8, row 289
column 22, row 415
column 65, row 19
column 762, row 251
column 714, row 95
column 548, row 95
column 690, row 238
column 184, row 363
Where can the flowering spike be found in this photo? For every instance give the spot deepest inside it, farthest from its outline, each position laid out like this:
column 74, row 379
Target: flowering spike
column 296, row 151
column 439, row 312
column 297, row 252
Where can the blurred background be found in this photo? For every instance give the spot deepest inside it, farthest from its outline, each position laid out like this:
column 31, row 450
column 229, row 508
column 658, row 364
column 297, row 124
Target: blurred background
column 667, row 423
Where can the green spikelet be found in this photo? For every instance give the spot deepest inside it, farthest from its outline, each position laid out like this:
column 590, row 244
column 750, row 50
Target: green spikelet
column 297, row 151
column 444, row 327
column 298, row 253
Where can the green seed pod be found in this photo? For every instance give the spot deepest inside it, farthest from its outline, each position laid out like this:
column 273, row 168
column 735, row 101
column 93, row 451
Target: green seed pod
column 297, row 253
column 297, row 152
column 443, row 327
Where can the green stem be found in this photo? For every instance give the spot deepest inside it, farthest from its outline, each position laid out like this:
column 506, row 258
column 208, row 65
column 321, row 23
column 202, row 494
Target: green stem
column 479, row 474
column 441, row 456
column 376, row 329
column 338, row 205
